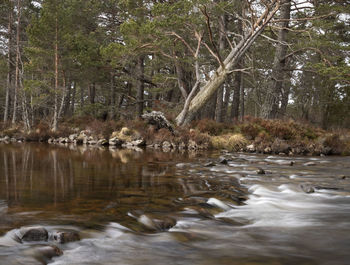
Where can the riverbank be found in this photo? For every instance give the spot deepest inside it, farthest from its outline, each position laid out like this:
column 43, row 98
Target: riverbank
column 253, row 135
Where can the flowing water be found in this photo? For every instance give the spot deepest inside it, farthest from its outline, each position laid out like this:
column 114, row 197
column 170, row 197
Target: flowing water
column 225, row 213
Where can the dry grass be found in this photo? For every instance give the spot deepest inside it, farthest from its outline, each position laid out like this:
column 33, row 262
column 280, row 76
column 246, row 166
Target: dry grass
column 231, row 142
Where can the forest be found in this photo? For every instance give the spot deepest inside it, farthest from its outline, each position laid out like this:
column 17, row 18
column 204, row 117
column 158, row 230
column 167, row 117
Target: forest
column 219, row 60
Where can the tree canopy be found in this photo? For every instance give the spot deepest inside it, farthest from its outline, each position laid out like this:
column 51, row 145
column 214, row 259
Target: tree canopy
column 221, row 60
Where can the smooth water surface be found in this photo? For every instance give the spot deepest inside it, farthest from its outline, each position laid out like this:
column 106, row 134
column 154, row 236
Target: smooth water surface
column 226, row 214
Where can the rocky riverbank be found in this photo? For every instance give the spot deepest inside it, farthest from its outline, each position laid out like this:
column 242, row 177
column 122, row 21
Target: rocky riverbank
column 155, row 131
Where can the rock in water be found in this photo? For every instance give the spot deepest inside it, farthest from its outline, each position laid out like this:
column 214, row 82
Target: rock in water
column 158, row 119
column 165, row 223
column 223, row 161
column 65, row 237
column 307, row 188
column 217, row 203
column 28, row 234
column 44, row 254
column 210, row 164
column 309, row 164
column 161, row 224
column 260, row 171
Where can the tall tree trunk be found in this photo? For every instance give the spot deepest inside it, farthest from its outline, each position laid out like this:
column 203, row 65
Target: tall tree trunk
column 63, row 99
column 229, row 63
column 271, row 102
column 208, row 112
column 284, row 101
column 242, row 98
column 9, row 65
column 55, row 115
column 92, row 93
column 17, row 81
column 219, row 104
column 82, row 96
column 226, row 100
column 238, row 76
column 236, row 94
column 220, row 93
column 113, row 95
column 180, row 72
column 74, row 92
column 140, row 85
column 68, row 99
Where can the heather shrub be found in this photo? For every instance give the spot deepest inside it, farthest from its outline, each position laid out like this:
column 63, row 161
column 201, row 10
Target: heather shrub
column 211, row 127
column 251, row 130
column 104, row 128
column 163, row 135
column 334, row 142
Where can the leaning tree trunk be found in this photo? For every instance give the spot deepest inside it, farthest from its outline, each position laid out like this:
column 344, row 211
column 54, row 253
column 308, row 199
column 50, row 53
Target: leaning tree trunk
column 231, row 61
column 270, row 106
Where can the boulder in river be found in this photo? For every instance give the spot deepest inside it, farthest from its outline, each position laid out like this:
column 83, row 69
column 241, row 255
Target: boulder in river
column 307, row 188
column 260, row 171
column 65, row 237
column 223, row 161
column 157, row 224
column 29, row 234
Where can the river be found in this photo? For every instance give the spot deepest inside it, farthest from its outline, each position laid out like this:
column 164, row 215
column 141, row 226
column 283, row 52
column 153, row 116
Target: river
column 225, row 213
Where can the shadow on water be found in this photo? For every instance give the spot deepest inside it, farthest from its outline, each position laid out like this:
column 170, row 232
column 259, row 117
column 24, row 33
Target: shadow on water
column 142, row 207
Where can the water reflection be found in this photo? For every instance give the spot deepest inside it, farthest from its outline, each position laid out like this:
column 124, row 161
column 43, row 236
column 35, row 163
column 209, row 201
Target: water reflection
column 60, row 184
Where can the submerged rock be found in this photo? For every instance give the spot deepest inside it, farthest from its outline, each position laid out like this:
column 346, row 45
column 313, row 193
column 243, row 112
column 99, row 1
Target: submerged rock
column 219, row 204
column 210, row 164
column 28, row 234
column 309, row 164
column 307, row 188
column 65, row 237
column 44, row 254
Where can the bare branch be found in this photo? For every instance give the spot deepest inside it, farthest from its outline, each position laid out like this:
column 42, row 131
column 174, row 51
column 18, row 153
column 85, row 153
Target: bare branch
column 215, row 53
column 173, row 33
